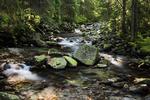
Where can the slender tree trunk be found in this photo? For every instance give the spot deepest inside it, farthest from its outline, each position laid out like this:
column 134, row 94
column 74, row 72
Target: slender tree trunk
column 124, row 16
column 134, row 19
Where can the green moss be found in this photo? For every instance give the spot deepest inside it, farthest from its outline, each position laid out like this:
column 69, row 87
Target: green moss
column 81, row 19
column 40, row 58
column 144, row 45
column 4, row 21
column 145, row 49
column 6, row 96
column 58, row 63
column 87, row 54
column 51, row 43
column 72, row 62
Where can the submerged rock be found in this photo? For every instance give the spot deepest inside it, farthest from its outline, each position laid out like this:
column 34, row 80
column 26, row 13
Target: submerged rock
column 72, row 62
column 87, row 54
column 58, row 63
column 7, row 96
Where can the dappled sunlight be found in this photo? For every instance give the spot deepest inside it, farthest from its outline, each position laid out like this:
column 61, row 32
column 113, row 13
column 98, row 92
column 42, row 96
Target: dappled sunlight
column 115, row 60
column 46, row 94
column 74, row 50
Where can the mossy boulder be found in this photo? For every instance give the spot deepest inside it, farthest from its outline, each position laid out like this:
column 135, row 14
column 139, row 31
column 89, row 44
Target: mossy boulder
column 40, row 58
column 71, row 62
column 7, row 96
column 86, row 54
column 58, row 63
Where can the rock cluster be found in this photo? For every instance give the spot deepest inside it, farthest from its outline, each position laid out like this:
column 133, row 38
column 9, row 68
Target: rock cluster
column 87, row 55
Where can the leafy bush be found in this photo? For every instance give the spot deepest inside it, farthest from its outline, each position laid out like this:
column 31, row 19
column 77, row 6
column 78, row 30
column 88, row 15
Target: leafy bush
column 4, row 21
column 81, row 19
column 144, row 45
column 30, row 19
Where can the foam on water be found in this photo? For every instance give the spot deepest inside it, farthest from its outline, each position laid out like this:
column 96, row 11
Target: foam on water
column 23, row 71
column 117, row 60
column 78, row 31
column 73, row 43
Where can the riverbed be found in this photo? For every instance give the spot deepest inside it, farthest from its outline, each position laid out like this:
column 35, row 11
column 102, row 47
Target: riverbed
column 116, row 81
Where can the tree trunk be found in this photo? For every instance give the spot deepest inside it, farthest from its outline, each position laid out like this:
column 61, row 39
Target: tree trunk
column 124, row 17
column 134, row 19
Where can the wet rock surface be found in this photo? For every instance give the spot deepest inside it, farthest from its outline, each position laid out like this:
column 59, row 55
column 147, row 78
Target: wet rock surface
column 71, row 62
column 81, row 83
column 86, row 54
column 58, row 63
column 103, row 81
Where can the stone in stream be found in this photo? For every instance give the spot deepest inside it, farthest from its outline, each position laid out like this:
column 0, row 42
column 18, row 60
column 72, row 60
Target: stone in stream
column 40, row 58
column 7, row 96
column 58, row 63
column 56, row 53
column 141, row 89
column 86, row 54
column 72, row 62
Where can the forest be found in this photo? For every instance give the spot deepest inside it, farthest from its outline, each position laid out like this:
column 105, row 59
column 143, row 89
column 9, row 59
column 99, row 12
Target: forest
column 74, row 49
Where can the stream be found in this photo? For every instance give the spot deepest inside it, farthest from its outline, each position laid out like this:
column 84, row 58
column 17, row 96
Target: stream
column 114, row 82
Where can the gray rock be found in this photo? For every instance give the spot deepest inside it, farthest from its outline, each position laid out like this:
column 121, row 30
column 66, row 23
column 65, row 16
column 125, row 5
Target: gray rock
column 86, row 54
column 142, row 89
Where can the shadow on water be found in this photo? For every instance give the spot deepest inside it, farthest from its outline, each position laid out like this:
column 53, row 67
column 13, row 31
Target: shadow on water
column 86, row 79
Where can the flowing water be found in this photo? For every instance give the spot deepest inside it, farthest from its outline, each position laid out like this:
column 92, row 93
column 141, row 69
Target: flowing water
column 74, row 42
column 21, row 70
column 80, row 83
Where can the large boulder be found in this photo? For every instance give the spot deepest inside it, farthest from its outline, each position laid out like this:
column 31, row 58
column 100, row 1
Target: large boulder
column 71, row 62
column 6, row 96
column 86, row 54
column 58, row 63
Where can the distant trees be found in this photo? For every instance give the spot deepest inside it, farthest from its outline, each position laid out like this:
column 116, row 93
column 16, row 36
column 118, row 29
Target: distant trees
column 124, row 16
column 134, row 19
column 127, row 17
